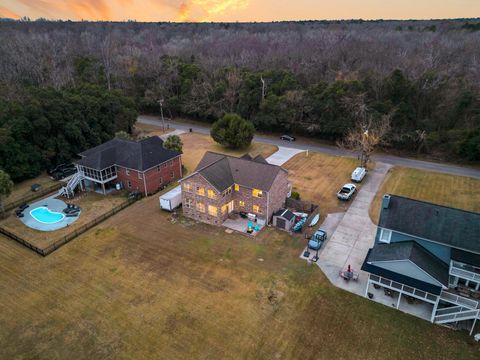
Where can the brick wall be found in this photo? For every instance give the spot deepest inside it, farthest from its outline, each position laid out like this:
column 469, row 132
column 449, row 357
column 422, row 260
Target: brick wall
column 154, row 178
column 278, row 193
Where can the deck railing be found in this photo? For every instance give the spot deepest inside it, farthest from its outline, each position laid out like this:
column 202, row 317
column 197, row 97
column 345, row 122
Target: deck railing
column 459, row 300
column 396, row 286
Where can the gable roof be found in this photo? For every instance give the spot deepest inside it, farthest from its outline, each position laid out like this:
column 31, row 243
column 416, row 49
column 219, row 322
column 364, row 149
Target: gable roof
column 138, row 155
column 417, row 254
column 445, row 225
column 222, row 171
column 285, row 213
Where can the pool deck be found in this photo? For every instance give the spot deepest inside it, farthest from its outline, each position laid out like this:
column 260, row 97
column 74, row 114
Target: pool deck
column 54, row 205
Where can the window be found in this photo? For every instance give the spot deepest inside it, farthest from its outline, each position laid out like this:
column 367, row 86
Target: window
column 256, row 209
column 212, row 210
column 172, row 175
column 211, row 194
column 189, row 203
column 241, row 203
column 237, row 187
column 385, row 236
column 129, row 184
column 171, row 163
column 187, row 187
column 257, row 193
column 224, row 209
column 164, row 165
column 161, row 180
column 127, row 172
column 158, row 168
column 140, row 175
column 201, row 207
column 200, row 191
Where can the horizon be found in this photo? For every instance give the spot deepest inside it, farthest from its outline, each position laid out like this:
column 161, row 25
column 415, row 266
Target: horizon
column 237, row 11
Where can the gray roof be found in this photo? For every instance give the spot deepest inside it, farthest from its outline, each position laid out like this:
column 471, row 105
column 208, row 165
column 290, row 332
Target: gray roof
column 410, row 250
column 285, row 213
column 465, row 257
column 453, row 227
column 137, row 155
column 222, row 171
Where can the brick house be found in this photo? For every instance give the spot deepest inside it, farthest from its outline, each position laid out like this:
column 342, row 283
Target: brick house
column 222, row 184
column 143, row 165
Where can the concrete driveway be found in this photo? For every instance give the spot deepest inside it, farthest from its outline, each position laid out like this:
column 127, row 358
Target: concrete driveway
column 353, row 236
column 283, row 155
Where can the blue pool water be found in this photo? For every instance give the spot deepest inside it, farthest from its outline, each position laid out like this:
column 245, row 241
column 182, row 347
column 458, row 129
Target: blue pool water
column 44, row 215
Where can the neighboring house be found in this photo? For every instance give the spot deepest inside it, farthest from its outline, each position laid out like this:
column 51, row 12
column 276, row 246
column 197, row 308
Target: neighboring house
column 143, row 166
column 430, row 253
column 221, row 184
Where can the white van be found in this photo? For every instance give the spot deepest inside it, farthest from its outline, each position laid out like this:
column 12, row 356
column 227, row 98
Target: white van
column 358, row 174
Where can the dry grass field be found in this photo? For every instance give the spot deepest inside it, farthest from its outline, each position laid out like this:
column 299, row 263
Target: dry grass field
column 443, row 189
column 140, row 287
column 92, row 204
column 23, row 188
column 318, row 177
column 195, row 145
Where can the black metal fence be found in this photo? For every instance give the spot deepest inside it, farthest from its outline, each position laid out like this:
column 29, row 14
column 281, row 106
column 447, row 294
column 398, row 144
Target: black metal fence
column 33, row 196
column 65, row 239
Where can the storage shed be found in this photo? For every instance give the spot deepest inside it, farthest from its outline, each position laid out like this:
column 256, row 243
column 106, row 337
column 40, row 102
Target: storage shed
column 284, row 219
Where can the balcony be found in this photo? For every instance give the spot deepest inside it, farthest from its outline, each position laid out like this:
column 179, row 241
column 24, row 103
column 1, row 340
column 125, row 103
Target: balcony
column 464, row 271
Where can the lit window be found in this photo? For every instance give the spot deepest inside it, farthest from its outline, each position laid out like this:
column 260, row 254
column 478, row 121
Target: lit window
column 257, row 193
column 187, row 187
column 224, row 209
column 201, row 207
column 200, row 191
column 385, row 236
column 212, row 210
column 237, row 187
column 256, row 209
column 241, row 203
column 211, row 194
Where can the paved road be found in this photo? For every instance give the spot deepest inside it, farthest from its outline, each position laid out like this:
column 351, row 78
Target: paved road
column 331, row 150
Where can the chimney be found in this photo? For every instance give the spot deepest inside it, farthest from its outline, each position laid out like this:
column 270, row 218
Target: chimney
column 386, row 201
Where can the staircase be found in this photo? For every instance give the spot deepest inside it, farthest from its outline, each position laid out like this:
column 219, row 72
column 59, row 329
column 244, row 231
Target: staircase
column 69, row 189
column 463, row 309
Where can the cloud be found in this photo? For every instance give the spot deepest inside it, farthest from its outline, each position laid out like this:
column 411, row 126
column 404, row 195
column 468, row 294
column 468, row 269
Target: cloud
column 205, row 10
column 88, row 9
column 6, row 13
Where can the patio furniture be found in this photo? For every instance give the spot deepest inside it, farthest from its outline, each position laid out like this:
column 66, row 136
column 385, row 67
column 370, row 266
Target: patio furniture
column 251, row 216
column 349, row 274
column 388, row 292
column 257, row 227
column 243, row 214
column 23, row 206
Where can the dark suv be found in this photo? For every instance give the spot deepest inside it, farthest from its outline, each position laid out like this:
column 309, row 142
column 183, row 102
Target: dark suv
column 64, row 172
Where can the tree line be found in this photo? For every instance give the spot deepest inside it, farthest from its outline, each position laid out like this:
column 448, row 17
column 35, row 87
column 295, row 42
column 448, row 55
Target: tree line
column 290, row 76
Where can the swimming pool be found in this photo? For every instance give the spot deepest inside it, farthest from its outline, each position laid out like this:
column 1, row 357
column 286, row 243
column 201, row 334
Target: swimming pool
column 45, row 216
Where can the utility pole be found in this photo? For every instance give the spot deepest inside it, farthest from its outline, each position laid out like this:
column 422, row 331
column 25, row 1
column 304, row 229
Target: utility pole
column 263, row 87
column 161, row 113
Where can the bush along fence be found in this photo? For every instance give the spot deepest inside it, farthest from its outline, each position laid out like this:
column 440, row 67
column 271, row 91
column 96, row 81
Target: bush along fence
column 65, row 239
column 33, row 196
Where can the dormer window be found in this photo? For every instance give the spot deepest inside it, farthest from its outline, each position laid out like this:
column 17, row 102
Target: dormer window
column 385, row 236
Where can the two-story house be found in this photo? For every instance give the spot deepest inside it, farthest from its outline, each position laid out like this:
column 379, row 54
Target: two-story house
column 430, row 254
column 143, row 166
column 221, row 184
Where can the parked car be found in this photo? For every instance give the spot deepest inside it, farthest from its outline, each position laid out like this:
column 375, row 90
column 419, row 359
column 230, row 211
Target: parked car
column 346, row 192
column 59, row 168
column 287, row 138
column 358, row 174
column 62, row 174
column 317, row 239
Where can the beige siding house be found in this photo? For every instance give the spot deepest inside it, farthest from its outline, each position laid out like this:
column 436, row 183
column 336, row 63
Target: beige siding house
column 223, row 184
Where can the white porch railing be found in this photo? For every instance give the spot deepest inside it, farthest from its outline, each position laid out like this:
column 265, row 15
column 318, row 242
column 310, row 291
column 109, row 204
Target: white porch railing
column 405, row 289
column 457, row 316
column 459, row 300
column 464, row 274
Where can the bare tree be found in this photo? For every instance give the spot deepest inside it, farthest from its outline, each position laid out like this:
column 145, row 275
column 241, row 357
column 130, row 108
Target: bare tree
column 368, row 133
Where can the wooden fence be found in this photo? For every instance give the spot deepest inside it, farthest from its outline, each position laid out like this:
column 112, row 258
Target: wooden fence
column 303, row 206
column 65, row 239
column 33, row 196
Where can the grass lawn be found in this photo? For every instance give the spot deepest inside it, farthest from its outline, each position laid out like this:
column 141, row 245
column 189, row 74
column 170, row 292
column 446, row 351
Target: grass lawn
column 93, row 205
column 318, row 177
column 23, row 188
column 195, row 145
column 443, row 189
column 139, row 287
column 142, row 130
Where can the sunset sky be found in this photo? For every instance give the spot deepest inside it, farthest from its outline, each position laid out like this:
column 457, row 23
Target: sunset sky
column 238, row 10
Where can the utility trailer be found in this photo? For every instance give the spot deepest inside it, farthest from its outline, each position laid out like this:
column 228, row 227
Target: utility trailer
column 172, row 199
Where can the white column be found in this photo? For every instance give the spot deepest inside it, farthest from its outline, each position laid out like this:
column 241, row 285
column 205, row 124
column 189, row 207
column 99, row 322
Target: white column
column 368, row 285
column 435, row 306
column 473, row 326
column 398, row 301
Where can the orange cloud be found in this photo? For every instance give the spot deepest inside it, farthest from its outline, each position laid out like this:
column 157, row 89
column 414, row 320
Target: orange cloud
column 88, row 9
column 205, row 10
column 6, row 13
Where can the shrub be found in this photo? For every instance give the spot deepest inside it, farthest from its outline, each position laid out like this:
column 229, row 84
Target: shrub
column 233, row 131
column 295, row 195
column 173, row 142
